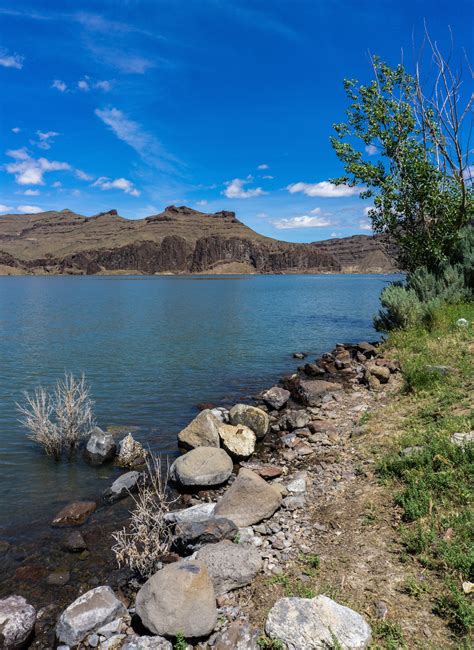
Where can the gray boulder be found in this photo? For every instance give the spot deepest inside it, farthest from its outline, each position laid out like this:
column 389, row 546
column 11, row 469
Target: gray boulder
column 310, row 392
column 251, row 417
column 202, row 466
column 17, row 620
column 122, row 486
column 178, row 599
column 230, row 565
column 308, row 624
column 100, row 447
column 135, row 642
column 203, row 431
column 196, row 513
column 248, row 500
column 239, row 441
column 87, row 614
column 191, row 535
column 276, row 397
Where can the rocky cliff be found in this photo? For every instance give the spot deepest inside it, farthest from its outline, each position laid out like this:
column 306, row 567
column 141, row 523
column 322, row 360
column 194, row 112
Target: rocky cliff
column 179, row 240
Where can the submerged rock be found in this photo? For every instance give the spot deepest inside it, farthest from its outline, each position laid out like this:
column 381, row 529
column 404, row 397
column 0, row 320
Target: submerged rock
column 74, row 542
column 202, row 466
column 75, row 513
column 100, row 447
column 276, row 397
column 310, row 624
column 122, row 486
column 248, row 500
column 178, row 599
column 87, row 614
column 230, row 565
column 131, row 452
column 17, row 620
column 203, row 431
column 251, row 417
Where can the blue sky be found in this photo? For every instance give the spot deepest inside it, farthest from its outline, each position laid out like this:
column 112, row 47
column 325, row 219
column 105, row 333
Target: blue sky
column 215, row 104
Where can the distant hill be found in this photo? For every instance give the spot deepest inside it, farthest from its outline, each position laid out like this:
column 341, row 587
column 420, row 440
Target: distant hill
column 178, row 240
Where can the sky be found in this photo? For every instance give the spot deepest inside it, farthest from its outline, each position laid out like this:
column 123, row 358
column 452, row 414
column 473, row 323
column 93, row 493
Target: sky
column 214, row 104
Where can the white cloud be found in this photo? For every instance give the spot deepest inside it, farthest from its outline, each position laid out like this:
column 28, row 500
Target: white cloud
column 30, row 192
column 4, row 208
column 11, row 60
column 235, row 189
column 83, row 85
column 323, row 189
column 203, row 202
column 16, row 129
column 303, row 221
column 45, row 138
column 59, row 85
column 371, row 149
column 261, row 215
column 103, row 85
column 267, row 177
column 145, row 144
column 30, row 171
column 118, row 184
column 83, row 176
column 335, row 235
column 365, row 225
column 264, row 166
column 29, row 209
column 57, row 184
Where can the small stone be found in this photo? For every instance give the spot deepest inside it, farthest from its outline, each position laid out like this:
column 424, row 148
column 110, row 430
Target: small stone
column 468, row 587
column 135, row 642
column 461, row 439
column 294, row 503
column 299, row 484
column 381, row 610
column 238, row 636
column 17, row 621
column 380, row 372
column 100, row 447
column 131, row 452
column 410, row 451
column 109, row 629
column 123, row 486
column 296, row 419
column 93, row 640
column 74, row 542
column 59, row 578
column 276, row 397
column 299, row 355
column 264, row 470
column 75, row 513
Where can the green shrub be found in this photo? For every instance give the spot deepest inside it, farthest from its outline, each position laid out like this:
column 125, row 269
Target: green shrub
column 455, row 607
column 400, row 308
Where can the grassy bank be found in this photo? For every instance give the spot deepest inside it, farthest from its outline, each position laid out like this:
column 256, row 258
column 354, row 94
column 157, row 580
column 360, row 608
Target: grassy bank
column 430, row 477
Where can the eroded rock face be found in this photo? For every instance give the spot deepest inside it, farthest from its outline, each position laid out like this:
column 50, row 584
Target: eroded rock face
column 203, row 431
column 75, row 513
column 230, row 565
column 87, row 614
column 17, row 620
column 314, row 623
column 178, row 599
column 100, row 447
column 276, row 397
column 248, row 500
column 202, row 466
column 251, row 417
column 239, row 441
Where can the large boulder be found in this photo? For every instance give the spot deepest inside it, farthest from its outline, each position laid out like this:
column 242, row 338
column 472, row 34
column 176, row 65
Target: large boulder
column 310, row 392
column 276, row 397
column 131, row 452
column 239, row 440
column 122, row 486
column 230, row 565
column 251, row 417
column 310, row 623
column 202, row 466
column 178, row 599
column 87, row 614
column 203, row 431
column 191, row 535
column 248, row 500
column 17, row 620
column 100, row 447
column 74, row 514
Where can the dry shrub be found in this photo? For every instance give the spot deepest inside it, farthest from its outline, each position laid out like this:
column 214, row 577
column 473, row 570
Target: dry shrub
column 60, row 420
column 148, row 536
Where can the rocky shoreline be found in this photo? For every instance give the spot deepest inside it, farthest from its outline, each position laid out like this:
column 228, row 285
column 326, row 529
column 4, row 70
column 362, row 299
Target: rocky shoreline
column 245, row 488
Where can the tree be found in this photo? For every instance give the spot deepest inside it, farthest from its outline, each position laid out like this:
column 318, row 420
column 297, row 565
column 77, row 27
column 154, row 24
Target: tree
column 419, row 178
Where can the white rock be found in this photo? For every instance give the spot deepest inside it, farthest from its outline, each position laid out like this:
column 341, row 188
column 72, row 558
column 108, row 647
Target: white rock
column 462, row 438
column 239, row 441
column 135, row 642
column 201, row 512
column 298, row 485
column 17, row 620
column 310, row 624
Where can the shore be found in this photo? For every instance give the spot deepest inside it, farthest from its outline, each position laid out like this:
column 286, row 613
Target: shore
column 333, row 528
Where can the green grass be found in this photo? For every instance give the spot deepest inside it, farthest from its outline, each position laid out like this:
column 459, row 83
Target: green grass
column 434, row 486
column 388, row 635
column 180, row 642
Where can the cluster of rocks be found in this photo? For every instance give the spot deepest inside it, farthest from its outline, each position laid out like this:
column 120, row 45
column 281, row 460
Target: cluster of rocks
column 244, row 516
column 101, row 448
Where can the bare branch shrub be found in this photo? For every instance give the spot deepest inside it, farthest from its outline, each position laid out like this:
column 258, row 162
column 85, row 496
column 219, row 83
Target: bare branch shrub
column 149, row 535
column 59, row 421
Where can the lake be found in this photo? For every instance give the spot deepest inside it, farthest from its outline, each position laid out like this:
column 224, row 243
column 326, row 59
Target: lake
column 151, row 349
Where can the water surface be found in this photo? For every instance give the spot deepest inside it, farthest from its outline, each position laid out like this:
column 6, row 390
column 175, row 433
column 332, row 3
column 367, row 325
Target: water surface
column 152, row 348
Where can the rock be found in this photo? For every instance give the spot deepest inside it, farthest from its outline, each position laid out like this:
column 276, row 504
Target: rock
column 313, row 370
column 461, row 439
column 251, row 417
column 367, row 349
column 4, row 547
column 202, row 466
column 248, row 500
column 178, row 599
column 75, row 513
column 462, row 322
column 239, row 441
column 307, row 624
column 310, row 392
column 238, row 636
column 411, row 451
column 189, row 536
column 100, row 447
column 17, row 621
column 74, row 542
column 221, row 413
column 265, row 470
column 122, row 486
column 468, row 587
column 294, row 502
column 380, row 372
column 135, row 642
column 114, row 643
column 230, row 565
column 110, row 629
column 440, row 370
column 200, row 512
column 276, row 397
column 87, row 614
column 59, row 578
column 131, row 452
column 203, row 431
column 296, row 419
column 299, row 484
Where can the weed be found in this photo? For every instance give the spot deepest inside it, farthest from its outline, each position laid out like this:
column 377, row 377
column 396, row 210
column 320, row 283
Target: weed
column 414, row 588
column 457, row 609
column 180, row 642
column 264, row 643
column 390, row 634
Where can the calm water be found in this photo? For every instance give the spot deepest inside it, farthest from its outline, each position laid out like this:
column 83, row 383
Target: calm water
column 152, row 348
